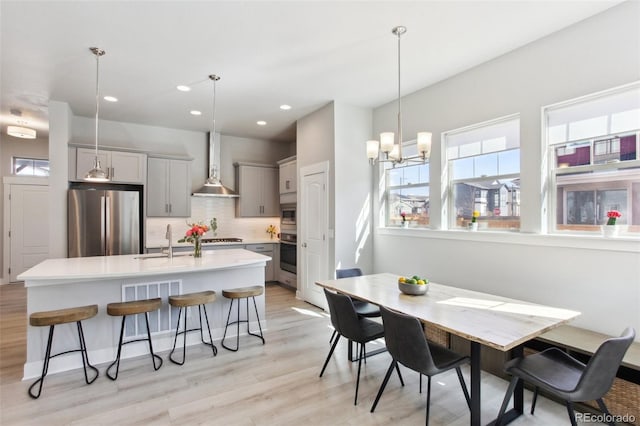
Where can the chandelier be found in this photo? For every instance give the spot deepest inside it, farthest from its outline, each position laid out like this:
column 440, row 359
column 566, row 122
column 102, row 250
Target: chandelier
column 393, row 151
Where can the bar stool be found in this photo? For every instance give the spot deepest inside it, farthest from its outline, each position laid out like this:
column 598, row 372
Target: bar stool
column 242, row 293
column 123, row 309
column 183, row 301
column 63, row 316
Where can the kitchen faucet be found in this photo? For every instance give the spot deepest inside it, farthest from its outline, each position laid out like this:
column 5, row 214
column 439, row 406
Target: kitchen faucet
column 168, row 237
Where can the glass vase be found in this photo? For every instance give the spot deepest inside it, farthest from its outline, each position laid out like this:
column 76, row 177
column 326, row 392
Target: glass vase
column 197, row 248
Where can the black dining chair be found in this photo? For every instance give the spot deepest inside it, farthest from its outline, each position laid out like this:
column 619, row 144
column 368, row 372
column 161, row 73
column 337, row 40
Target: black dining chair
column 348, row 324
column 363, row 309
column 408, row 346
column 564, row 377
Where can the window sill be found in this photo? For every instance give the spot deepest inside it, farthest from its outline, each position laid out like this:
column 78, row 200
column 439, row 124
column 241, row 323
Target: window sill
column 587, row 242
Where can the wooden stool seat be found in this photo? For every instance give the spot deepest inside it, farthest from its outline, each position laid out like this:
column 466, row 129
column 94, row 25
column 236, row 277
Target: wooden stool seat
column 133, row 307
column 242, row 292
column 62, row 316
column 192, row 299
column 57, row 317
column 184, row 301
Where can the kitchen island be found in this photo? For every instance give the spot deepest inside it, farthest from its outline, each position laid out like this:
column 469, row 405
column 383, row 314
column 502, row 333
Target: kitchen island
column 61, row 283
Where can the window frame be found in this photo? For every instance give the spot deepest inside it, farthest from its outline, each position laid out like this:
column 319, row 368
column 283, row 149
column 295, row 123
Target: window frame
column 449, row 218
column 33, row 161
column 550, row 222
column 409, row 148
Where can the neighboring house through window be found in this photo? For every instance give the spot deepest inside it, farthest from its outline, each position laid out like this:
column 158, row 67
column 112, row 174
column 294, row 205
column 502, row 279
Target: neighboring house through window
column 30, row 167
column 483, row 165
column 407, row 192
column 593, row 160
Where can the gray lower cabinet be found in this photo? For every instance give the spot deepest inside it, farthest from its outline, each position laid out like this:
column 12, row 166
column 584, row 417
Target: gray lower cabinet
column 267, row 250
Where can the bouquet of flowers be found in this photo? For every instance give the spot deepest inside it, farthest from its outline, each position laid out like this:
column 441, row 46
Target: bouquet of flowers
column 404, row 217
column 194, row 233
column 613, row 215
column 271, row 230
column 475, row 216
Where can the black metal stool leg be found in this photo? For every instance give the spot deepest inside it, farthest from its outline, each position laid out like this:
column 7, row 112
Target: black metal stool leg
column 117, row 360
column 153, row 355
column 45, row 367
column 85, row 357
column 206, row 318
column 227, row 325
column 261, row 336
column 184, row 338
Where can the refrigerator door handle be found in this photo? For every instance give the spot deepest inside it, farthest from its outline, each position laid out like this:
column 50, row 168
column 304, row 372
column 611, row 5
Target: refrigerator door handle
column 107, row 227
column 102, row 223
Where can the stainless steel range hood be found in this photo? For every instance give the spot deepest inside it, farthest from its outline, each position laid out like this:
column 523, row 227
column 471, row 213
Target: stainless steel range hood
column 212, row 186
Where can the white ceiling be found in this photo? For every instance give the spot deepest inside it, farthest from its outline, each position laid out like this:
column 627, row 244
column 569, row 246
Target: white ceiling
column 302, row 53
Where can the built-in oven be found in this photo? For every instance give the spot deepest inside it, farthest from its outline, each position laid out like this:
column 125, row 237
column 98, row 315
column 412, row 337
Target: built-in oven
column 288, row 246
column 288, row 215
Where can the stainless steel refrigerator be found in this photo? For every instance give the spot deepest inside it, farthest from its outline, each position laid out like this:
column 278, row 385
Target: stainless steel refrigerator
column 104, row 222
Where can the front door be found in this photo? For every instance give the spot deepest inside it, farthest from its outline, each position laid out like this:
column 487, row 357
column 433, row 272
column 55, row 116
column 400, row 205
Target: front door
column 313, row 238
column 29, row 227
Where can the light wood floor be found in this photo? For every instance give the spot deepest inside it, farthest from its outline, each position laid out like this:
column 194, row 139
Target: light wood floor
column 274, row 384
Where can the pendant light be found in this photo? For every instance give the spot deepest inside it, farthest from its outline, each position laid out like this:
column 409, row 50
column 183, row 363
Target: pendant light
column 97, row 174
column 387, row 144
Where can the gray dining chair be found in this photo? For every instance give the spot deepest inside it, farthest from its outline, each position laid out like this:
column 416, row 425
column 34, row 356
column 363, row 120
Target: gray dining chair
column 408, row 346
column 347, row 323
column 564, row 377
column 363, row 309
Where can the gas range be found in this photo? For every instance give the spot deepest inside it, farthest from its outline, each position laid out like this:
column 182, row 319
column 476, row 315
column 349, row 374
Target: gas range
column 222, row 240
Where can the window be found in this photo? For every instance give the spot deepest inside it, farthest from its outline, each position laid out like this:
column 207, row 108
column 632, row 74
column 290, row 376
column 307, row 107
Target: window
column 484, row 174
column 593, row 151
column 407, row 192
column 30, row 167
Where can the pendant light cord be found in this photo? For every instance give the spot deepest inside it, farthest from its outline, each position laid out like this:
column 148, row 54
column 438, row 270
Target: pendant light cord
column 399, row 107
column 97, row 96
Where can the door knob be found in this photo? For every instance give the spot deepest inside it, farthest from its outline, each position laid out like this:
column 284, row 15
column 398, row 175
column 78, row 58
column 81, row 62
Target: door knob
column 304, row 244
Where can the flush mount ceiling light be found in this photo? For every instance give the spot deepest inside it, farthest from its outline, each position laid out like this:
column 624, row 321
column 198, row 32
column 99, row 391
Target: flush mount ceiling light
column 387, row 144
column 21, row 132
column 97, row 174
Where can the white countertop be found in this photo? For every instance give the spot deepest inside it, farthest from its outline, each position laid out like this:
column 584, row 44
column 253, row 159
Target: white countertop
column 60, row 271
column 156, row 244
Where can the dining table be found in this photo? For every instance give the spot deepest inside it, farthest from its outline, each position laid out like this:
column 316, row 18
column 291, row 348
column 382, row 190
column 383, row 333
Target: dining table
column 483, row 319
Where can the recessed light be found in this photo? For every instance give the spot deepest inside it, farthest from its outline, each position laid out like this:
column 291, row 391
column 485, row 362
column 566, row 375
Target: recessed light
column 110, row 99
column 183, row 88
column 261, row 123
column 285, row 107
column 194, row 112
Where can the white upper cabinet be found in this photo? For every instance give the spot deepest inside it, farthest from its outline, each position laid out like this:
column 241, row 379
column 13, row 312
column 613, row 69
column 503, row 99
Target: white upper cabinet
column 121, row 167
column 288, row 177
column 258, row 189
column 168, row 188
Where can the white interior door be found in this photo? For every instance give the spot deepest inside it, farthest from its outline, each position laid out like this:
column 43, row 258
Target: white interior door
column 29, row 227
column 313, row 241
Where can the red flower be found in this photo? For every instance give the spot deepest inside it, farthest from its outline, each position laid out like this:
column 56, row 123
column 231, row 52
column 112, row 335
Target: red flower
column 614, row 213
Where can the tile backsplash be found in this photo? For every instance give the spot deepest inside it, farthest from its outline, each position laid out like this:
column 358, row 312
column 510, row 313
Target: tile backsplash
column 204, row 209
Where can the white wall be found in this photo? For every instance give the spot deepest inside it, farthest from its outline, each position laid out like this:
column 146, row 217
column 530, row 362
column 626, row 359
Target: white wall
column 234, row 149
column 161, row 140
column 599, row 278
column 353, row 192
column 315, row 135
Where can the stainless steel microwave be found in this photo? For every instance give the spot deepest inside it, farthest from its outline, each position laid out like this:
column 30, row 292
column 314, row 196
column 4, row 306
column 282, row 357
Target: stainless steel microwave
column 288, row 216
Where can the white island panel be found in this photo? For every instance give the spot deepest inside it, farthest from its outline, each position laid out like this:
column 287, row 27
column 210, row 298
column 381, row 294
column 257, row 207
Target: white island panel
column 61, row 283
